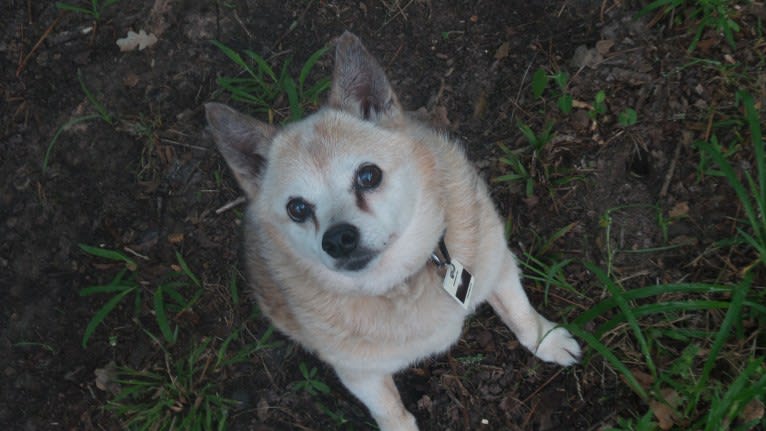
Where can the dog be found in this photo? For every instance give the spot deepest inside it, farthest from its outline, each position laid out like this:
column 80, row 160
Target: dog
column 369, row 237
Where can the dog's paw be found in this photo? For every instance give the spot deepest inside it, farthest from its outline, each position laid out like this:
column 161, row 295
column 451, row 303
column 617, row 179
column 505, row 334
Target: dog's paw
column 558, row 346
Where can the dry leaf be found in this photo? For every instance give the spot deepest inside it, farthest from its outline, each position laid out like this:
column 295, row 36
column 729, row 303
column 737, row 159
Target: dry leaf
column 753, row 411
column 106, row 378
column 663, row 413
column 135, row 40
column 603, row 46
column 503, row 51
column 262, row 410
column 663, row 410
column 644, row 379
column 579, row 104
column 130, row 80
column 586, row 57
column 679, row 210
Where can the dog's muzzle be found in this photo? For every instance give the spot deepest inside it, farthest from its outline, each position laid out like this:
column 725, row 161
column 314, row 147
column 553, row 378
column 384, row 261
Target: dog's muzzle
column 341, row 242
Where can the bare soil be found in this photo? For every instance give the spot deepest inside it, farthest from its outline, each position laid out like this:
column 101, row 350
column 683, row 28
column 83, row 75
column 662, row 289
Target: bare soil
column 151, row 182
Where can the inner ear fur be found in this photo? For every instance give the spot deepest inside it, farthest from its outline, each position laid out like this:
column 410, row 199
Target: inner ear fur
column 360, row 86
column 243, row 141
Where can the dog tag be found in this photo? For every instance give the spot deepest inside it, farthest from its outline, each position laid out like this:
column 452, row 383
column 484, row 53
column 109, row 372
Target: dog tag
column 458, row 282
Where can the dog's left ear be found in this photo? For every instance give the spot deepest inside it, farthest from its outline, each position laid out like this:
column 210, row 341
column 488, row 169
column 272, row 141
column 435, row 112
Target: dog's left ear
column 243, row 141
column 359, row 85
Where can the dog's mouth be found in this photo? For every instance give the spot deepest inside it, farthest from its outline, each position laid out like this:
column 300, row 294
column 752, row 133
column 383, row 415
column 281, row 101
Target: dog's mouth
column 356, row 261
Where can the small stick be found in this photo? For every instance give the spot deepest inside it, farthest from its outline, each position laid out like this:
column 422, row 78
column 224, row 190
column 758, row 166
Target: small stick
column 37, row 45
column 540, row 388
column 232, row 204
column 672, row 167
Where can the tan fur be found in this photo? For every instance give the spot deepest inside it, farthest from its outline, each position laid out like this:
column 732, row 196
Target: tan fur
column 372, row 322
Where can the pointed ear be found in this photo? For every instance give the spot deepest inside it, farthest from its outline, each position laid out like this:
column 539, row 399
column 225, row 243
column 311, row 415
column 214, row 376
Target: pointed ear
column 243, row 141
column 359, row 85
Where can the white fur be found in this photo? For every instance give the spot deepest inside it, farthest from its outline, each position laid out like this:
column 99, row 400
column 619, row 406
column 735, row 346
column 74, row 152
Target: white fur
column 375, row 321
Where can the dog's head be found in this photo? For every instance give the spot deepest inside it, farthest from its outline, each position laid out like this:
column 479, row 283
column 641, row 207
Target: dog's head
column 349, row 193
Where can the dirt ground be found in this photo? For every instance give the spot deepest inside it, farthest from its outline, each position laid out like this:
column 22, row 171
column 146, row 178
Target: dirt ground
column 149, row 184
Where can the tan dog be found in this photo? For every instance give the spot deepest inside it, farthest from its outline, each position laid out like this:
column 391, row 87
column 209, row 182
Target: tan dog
column 359, row 220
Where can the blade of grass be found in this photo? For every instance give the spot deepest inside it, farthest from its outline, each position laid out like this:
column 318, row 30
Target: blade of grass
column 737, row 396
column 732, row 315
column 313, row 93
column 235, row 57
column 607, row 354
column 731, row 177
column 66, row 126
column 556, row 235
column 233, row 289
column 73, row 8
column 296, row 110
column 627, row 311
column 263, row 66
column 101, row 315
column 601, row 308
column 109, row 254
column 185, row 268
column 161, row 316
column 754, row 123
column 102, row 111
column 108, row 288
column 309, row 65
column 663, row 307
column 539, row 83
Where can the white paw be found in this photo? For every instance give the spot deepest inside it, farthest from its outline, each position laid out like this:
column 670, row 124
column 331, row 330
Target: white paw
column 558, row 346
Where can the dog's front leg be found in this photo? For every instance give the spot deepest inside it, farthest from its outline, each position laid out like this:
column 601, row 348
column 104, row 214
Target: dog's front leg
column 535, row 332
column 378, row 392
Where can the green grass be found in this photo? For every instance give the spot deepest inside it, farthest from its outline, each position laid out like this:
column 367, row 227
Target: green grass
column 540, row 84
column 101, row 113
column 627, row 117
column 185, row 394
column 93, row 10
column 599, row 105
column 657, row 321
column 171, row 294
column 310, row 383
column 529, row 165
column 717, row 15
column 263, row 86
column 751, row 188
column 518, row 170
column 691, row 352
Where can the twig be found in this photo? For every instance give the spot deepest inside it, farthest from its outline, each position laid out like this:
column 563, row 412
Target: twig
column 672, row 167
column 238, row 201
column 292, row 26
column 540, row 388
column 135, row 253
column 400, row 11
column 37, row 45
column 181, row 144
column 241, row 24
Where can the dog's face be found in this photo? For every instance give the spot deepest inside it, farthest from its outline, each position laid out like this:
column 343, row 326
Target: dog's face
column 346, row 192
column 340, row 189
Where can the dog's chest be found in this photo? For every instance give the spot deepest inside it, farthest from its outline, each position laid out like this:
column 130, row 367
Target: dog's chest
column 408, row 325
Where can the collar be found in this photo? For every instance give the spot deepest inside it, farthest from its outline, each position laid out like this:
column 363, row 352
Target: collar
column 440, row 257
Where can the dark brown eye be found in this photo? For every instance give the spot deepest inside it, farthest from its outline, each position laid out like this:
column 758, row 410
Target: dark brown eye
column 299, row 210
column 368, row 177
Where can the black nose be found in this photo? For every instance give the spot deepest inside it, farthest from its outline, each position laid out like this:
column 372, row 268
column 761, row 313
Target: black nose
column 340, row 240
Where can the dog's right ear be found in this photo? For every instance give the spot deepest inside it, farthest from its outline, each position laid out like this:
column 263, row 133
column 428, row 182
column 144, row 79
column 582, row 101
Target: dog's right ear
column 359, row 84
column 243, row 141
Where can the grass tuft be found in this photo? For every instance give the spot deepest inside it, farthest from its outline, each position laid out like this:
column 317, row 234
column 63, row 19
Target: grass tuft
column 264, row 88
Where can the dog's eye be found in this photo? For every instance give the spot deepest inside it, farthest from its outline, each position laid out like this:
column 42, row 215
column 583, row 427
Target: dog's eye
column 368, row 177
column 299, row 210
